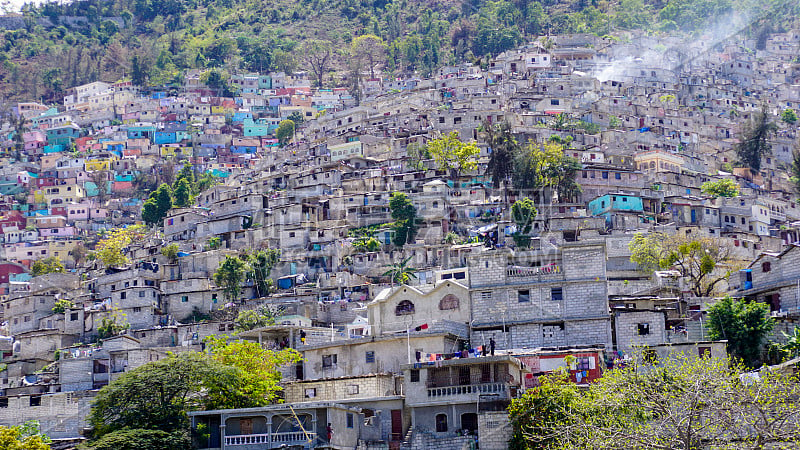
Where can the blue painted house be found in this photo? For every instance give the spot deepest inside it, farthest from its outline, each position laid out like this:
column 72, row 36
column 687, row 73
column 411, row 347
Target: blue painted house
column 141, row 132
column 255, row 129
column 611, row 203
column 63, row 135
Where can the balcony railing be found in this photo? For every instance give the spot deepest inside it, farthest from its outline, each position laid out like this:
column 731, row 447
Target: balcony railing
column 269, row 438
column 546, row 272
column 486, row 388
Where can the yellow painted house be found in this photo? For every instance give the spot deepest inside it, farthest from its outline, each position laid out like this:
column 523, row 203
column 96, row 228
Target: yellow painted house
column 95, row 165
column 57, row 195
column 172, row 150
column 61, row 249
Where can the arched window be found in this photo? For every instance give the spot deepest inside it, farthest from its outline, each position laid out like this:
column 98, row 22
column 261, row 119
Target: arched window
column 449, row 301
column 403, row 308
column 441, row 423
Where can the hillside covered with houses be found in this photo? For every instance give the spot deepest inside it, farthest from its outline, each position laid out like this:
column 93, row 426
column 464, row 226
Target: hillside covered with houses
column 421, row 300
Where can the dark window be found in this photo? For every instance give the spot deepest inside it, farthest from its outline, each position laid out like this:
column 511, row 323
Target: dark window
column 415, row 376
column 441, row 423
column 350, row 420
column 605, row 175
column 766, row 266
column 704, row 351
column 73, row 316
column 524, row 295
column 4, row 402
column 403, row 308
column 644, row 329
column 328, row 360
column 618, row 176
column 370, row 357
column 557, row 294
column 36, row 401
column 449, row 301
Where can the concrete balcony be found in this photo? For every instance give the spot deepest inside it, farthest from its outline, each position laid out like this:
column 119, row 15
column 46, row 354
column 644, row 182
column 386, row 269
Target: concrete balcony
column 269, row 439
column 516, row 274
column 499, row 389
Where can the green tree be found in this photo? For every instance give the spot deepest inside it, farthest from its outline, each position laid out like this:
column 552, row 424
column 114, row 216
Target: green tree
column 744, row 324
column 720, row 188
column 789, row 116
column 703, row 262
column 284, row 132
column 368, row 51
column 78, row 253
column 318, row 55
column 157, row 395
column 214, row 243
column 792, row 345
column 111, row 250
column 141, row 439
column 183, row 193
column 297, row 118
column 229, row 277
column 540, row 166
column 684, row 402
column 416, row 155
column 47, row 265
column 452, row 155
column 113, row 325
column 404, row 215
column 523, row 213
column 23, row 437
column 170, row 252
column 257, row 367
column 155, row 208
column 754, row 140
column 260, row 268
column 363, row 244
column 186, row 173
column 795, row 169
column 503, row 151
column 62, row 305
column 539, row 413
column 206, row 181
column 401, row 272
column 140, row 72
column 250, row 319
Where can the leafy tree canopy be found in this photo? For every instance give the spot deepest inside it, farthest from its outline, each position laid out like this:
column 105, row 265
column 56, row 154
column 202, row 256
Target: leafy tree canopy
column 703, row 262
column 453, row 155
column 23, row 437
column 684, row 402
column 111, row 250
column 229, row 276
column 404, row 215
column 744, row 324
column 47, row 265
column 720, row 188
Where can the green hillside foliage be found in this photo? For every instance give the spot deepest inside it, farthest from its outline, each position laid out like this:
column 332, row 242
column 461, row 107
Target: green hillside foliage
column 152, row 41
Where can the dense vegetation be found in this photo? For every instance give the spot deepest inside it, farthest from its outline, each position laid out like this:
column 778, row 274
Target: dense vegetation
column 151, row 41
column 684, row 402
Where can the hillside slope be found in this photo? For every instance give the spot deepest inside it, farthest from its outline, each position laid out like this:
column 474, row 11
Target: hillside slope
column 55, row 47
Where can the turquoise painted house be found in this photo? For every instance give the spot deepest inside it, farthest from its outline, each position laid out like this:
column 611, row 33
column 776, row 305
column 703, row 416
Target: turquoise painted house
column 610, row 203
column 141, row 132
column 62, row 135
column 257, row 128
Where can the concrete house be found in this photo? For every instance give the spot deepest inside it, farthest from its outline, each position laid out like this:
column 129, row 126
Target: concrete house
column 546, row 297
